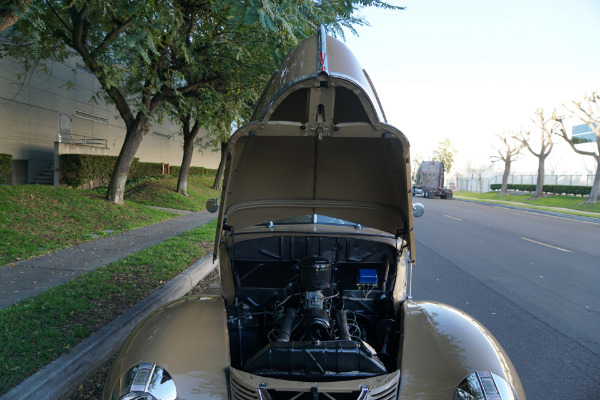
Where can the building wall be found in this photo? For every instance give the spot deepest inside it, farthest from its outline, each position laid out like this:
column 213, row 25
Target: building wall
column 30, row 105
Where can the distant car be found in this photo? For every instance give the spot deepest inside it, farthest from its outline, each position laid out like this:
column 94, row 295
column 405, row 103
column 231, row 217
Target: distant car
column 316, row 248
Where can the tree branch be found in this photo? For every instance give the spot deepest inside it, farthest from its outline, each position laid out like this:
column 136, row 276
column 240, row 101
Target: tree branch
column 112, row 35
column 563, row 134
column 79, row 45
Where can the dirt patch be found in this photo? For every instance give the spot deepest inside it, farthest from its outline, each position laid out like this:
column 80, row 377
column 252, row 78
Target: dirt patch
column 92, row 388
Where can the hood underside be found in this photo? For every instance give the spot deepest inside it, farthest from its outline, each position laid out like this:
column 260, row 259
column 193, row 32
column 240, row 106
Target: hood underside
column 318, row 145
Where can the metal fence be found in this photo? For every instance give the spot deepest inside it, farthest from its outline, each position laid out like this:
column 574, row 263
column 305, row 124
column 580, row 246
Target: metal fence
column 81, row 140
column 475, row 185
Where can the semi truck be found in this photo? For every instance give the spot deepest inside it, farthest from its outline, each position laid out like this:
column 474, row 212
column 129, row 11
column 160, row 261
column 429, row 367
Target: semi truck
column 429, row 181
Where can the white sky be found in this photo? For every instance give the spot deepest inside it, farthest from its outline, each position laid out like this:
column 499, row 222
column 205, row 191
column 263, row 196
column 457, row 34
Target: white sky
column 468, row 69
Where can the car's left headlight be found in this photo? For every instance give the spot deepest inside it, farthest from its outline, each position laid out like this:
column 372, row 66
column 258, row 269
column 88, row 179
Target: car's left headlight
column 145, row 381
column 484, row 385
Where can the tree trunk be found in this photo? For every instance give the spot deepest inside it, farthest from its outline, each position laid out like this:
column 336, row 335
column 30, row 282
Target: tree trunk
column 184, row 171
column 8, row 17
column 595, row 192
column 189, row 136
column 218, row 185
column 505, row 178
column 539, row 186
column 133, row 139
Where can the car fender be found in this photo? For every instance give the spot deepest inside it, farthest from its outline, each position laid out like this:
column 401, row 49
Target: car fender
column 441, row 346
column 188, row 338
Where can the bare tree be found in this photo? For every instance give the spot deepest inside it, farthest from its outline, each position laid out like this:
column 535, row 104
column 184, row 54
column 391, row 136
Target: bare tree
column 478, row 171
column 548, row 127
column 510, row 152
column 589, row 113
column 416, row 161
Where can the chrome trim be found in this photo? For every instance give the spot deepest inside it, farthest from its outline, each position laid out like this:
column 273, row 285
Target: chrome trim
column 323, row 63
column 485, row 385
column 411, row 265
column 145, row 380
column 263, row 394
column 142, row 377
column 312, row 204
column 247, row 386
column 364, row 393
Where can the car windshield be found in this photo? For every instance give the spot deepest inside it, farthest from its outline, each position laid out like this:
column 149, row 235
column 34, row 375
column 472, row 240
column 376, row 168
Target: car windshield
column 311, row 219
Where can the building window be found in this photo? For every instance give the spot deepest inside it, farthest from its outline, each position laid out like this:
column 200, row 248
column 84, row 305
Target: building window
column 82, row 68
column 93, row 117
column 162, row 135
column 583, row 134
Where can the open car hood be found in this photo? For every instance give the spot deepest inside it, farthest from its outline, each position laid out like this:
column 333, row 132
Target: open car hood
column 318, row 144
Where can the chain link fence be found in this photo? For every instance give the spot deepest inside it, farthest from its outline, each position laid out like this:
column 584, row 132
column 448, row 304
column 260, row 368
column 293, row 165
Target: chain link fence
column 474, row 184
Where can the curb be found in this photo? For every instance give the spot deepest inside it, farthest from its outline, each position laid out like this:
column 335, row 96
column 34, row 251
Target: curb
column 533, row 210
column 60, row 378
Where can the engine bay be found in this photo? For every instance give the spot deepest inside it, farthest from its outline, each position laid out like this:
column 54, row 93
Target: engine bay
column 327, row 313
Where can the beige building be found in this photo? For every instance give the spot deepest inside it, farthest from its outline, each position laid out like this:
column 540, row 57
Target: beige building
column 45, row 114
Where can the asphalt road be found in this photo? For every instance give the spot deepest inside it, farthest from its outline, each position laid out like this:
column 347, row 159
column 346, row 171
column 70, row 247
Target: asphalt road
column 532, row 279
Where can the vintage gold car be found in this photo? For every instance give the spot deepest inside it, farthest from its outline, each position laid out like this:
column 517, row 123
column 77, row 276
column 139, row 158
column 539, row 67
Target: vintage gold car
column 315, row 244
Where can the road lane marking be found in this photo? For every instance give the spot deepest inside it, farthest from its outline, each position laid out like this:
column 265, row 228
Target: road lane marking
column 547, row 245
column 450, row 216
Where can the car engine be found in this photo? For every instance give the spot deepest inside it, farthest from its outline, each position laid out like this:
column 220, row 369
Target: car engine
column 327, row 319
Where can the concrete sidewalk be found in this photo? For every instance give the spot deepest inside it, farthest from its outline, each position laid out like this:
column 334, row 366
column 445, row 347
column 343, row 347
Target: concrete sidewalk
column 28, row 278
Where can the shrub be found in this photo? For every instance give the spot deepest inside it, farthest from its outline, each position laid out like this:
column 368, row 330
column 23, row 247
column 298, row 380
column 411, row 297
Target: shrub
column 79, row 169
column 5, row 165
column 550, row 189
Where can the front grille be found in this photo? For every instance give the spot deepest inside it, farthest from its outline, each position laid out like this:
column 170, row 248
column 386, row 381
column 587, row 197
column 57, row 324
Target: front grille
column 279, row 395
column 386, row 394
column 245, row 386
column 241, row 392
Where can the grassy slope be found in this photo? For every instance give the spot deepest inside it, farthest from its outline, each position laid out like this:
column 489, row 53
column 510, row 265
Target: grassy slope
column 37, row 219
column 162, row 193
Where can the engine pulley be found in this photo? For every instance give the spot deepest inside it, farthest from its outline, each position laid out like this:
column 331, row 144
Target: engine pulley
column 317, row 326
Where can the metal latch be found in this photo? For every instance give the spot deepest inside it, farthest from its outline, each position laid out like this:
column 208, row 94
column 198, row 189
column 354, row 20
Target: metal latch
column 364, row 393
column 263, row 394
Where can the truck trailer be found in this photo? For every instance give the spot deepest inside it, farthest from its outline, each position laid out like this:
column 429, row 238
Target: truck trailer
column 429, row 181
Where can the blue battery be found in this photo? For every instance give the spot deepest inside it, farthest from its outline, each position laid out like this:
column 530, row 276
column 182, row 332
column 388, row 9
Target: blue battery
column 367, row 276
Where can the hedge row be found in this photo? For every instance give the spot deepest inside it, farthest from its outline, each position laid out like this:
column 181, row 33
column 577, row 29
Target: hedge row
column 550, row 189
column 80, row 169
column 5, row 164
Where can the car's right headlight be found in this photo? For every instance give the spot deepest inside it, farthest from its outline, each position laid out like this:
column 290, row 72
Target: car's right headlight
column 145, row 381
column 484, row 385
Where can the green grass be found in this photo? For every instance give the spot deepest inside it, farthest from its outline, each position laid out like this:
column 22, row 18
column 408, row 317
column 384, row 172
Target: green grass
column 36, row 219
column 163, row 193
column 38, row 330
column 573, row 205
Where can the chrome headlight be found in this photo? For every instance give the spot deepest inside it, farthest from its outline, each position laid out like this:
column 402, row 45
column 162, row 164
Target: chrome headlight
column 484, row 385
column 145, row 381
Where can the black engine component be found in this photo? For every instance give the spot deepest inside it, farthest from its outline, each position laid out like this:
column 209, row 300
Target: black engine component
column 315, row 273
column 316, row 325
column 304, row 359
column 342, row 323
column 285, row 330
